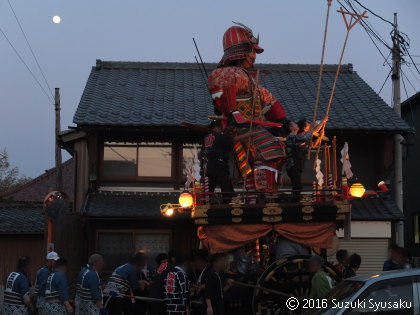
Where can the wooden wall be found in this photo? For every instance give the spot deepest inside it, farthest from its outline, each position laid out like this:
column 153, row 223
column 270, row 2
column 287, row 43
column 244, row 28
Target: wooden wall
column 12, row 247
column 70, row 241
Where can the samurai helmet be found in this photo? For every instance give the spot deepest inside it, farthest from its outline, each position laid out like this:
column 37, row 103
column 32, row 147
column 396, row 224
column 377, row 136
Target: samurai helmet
column 238, row 42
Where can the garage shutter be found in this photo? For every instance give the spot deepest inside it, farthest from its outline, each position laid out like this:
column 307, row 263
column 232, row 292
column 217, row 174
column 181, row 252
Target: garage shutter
column 372, row 250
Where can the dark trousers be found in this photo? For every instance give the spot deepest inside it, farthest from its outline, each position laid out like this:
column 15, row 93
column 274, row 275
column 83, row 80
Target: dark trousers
column 295, row 175
column 225, row 184
column 117, row 306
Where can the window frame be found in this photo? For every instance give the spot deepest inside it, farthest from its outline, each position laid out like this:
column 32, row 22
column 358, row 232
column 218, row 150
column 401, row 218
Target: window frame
column 159, row 179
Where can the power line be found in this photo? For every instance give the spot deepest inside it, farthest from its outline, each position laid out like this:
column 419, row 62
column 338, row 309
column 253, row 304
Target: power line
column 414, row 75
column 30, row 48
column 26, row 65
column 378, row 16
column 386, row 79
column 403, row 74
column 367, row 26
column 414, row 64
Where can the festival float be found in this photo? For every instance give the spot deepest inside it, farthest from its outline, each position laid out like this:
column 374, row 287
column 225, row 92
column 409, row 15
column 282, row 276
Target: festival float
column 269, row 230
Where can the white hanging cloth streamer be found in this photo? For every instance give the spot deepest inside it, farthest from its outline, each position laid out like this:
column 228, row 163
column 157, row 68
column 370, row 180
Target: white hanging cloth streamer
column 193, row 169
column 345, row 160
column 319, row 175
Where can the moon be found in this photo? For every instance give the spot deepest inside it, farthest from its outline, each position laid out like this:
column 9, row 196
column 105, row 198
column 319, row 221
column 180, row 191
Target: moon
column 56, row 19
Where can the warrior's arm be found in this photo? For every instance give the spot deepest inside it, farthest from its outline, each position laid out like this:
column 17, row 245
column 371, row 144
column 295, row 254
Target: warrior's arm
column 273, row 110
column 224, row 99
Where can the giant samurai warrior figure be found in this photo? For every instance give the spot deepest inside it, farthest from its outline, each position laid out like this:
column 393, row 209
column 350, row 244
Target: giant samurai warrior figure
column 238, row 96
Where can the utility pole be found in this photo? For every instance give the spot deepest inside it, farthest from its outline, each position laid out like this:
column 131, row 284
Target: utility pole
column 59, row 175
column 398, row 178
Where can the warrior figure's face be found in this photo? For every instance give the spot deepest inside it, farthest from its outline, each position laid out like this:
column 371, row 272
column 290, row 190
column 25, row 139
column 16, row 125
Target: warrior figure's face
column 249, row 61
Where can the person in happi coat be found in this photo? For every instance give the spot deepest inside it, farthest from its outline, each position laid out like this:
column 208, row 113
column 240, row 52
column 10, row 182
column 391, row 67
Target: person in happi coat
column 57, row 291
column 238, row 95
column 177, row 287
column 78, row 282
column 297, row 143
column 90, row 291
column 125, row 280
column 156, row 289
column 41, row 280
column 214, row 288
column 16, row 290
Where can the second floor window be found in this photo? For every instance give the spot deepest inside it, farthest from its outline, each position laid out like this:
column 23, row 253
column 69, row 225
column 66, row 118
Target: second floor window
column 137, row 160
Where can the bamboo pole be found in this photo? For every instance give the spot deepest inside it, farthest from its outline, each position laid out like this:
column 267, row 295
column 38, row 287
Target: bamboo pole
column 321, row 71
column 334, row 161
column 325, row 166
column 349, row 26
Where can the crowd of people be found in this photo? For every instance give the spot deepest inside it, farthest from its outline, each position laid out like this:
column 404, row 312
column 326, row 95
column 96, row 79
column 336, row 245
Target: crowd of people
column 181, row 284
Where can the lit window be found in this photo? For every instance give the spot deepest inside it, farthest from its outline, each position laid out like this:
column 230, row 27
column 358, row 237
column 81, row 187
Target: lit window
column 120, row 161
column 137, row 160
column 155, row 160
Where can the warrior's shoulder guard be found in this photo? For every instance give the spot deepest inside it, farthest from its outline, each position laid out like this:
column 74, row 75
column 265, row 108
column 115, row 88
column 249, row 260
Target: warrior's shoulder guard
column 226, row 77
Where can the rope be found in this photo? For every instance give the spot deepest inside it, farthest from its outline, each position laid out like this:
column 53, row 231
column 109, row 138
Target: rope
column 322, row 131
column 321, row 71
column 254, row 94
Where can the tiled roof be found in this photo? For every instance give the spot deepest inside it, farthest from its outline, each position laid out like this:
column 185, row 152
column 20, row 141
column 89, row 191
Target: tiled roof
column 21, row 218
column 167, row 94
column 36, row 189
column 374, row 208
column 147, row 205
column 120, row 204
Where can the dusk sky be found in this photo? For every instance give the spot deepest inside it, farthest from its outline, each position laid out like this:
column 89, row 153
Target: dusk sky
column 290, row 31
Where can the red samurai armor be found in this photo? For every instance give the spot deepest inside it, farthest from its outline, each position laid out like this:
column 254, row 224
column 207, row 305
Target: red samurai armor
column 234, row 88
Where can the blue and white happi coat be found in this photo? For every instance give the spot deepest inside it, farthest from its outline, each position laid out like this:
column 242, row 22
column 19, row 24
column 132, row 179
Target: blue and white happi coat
column 16, row 287
column 89, row 292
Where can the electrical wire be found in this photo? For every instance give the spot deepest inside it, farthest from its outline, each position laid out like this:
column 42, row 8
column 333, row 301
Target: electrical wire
column 26, row 65
column 414, row 75
column 367, row 26
column 414, row 64
column 30, row 48
column 372, row 33
column 378, row 16
column 403, row 74
column 386, row 79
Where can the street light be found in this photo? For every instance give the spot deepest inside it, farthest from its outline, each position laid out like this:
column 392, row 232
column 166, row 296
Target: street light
column 167, row 210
